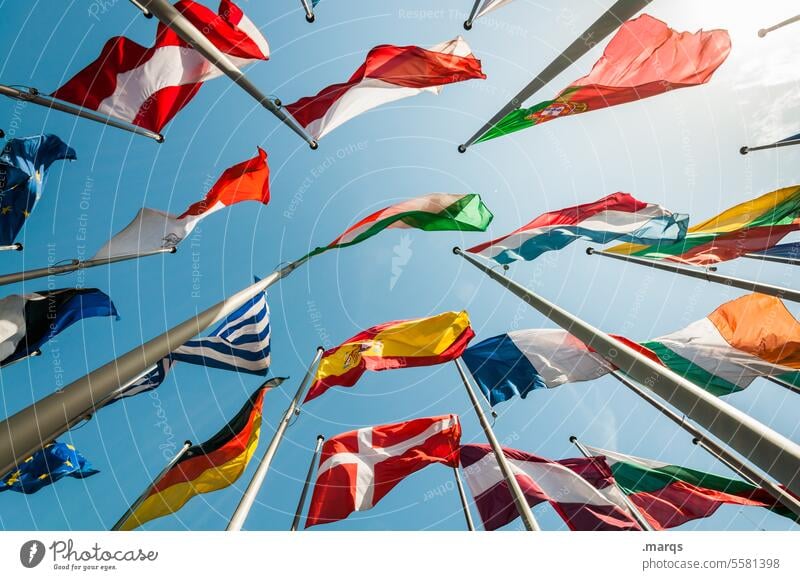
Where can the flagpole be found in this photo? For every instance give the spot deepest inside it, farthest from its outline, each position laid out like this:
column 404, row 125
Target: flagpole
column 249, row 497
column 309, row 11
column 764, row 31
column 135, row 505
column 771, row 290
column 611, row 19
column 123, row 388
column 145, row 12
column 35, row 353
column 637, row 515
column 463, row 497
column 28, row 430
column 172, row 18
column 712, row 447
column 76, row 265
column 745, row 150
column 786, row 385
column 15, row 247
column 511, row 481
column 33, row 96
column 471, row 18
column 302, row 502
column 769, row 450
column 776, row 259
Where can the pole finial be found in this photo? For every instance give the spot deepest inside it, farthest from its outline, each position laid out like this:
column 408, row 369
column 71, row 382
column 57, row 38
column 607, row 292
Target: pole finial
column 589, row 251
column 462, row 148
column 744, row 150
column 160, row 138
column 467, row 25
column 320, row 437
column 314, row 145
column 456, row 250
column 19, row 247
column 572, row 439
column 187, row 442
column 762, row 33
column 320, row 348
column 310, row 18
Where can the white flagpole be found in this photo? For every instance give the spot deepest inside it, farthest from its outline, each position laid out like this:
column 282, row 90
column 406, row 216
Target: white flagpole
column 17, row 247
column 764, row 31
column 33, row 96
column 745, row 149
column 771, row 290
column 171, row 17
column 36, row 352
column 76, row 265
column 776, row 259
column 513, row 485
column 249, row 497
column 309, row 10
column 769, row 450
column 471, row 18
column 302, row 501
column 145, row 12
column 463, row 497
column 33, row 427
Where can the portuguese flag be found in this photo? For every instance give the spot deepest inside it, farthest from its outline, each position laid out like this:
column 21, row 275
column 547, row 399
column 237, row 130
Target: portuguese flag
column 644, row 58
column 752, row 226
column 436, row 212
column 671, row 495
column 207, row 467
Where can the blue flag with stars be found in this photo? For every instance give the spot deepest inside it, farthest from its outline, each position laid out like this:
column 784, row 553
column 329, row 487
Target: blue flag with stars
column 23, row 164
column 47, row 466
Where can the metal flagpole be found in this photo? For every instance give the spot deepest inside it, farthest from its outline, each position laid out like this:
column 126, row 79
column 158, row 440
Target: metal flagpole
column 36, row 352
column 471, row 18
column 145, row 11
column 76, row 265
column 249, row 497
column 722, row 454
column 148, row 489
column 769, row 450
column 745, row 150
column 513, row 485
column 463, row 497
column 171, row 17
column 309, row 11
column 784, row 384
column 16, row 247
column 637, row 515
column 621, row 11
column 33, row 427
column 776, row 259
column 778, row 291
column 302, row 502
column 33, row 96
column 764, row 31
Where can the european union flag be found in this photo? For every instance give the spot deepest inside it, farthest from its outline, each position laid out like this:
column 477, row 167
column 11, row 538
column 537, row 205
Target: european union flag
column 47, row 466
column 23, row 164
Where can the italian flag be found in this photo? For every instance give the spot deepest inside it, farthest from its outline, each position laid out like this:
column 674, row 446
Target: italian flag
column 671, row 495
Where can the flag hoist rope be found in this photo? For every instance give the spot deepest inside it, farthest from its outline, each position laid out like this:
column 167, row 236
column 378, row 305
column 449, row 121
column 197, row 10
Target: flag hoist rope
column 612, row 19
column 30, row 429
column 769, row 450
column 298, row 513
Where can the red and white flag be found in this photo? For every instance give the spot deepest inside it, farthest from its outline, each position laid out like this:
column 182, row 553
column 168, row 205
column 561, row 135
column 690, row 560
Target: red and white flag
column 360, row 467
column 152, row 229
column 581, row 490
column 390, row 73
column 148, row 86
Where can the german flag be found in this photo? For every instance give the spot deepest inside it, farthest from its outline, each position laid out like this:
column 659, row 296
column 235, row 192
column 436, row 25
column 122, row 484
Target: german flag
column 203, row 468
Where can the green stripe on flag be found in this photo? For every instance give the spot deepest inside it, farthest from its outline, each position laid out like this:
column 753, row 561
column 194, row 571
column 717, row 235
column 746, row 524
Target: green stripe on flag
column 687, row 369
column 635, row 478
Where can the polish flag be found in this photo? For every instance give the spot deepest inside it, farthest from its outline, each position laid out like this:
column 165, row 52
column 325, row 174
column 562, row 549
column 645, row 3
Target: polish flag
column 390, row 73
column 360, row 467
column 148, row 86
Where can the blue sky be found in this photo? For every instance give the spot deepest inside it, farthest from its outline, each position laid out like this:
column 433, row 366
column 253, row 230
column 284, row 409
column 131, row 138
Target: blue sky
column 679, row 149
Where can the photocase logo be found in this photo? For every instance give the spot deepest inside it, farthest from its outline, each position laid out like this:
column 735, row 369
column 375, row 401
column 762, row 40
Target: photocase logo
column 31, row 553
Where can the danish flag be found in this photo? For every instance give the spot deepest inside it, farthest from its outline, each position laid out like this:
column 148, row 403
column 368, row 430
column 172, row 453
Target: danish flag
column 360, row 467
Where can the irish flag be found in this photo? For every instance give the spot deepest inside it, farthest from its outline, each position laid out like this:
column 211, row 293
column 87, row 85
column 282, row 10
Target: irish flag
column 752, row 226
column 671, row 495
column 436, row 212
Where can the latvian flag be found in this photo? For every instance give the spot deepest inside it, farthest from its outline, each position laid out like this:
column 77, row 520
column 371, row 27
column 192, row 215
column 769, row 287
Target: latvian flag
column 148, row 86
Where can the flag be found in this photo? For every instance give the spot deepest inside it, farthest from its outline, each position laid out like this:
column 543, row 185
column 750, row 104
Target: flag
column 791, row 251
column 752, row 226
column 618, row 216
column 30, row 320
column 46, row 466
column 490, row 5
column 435, row 212
column 581, row 490
column 151, row 380
column 358, row 468
column 792, row 138
column 23, row 167
column 153, row 229
column 389, row 73
column 400, row 344
column 750, row 337
column 644, row 58
column 207, row 467
column 148, row 86
column 671, row 495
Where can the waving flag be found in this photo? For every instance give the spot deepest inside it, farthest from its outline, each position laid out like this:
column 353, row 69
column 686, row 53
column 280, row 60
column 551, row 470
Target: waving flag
column 23, row 166
column 644, row 58
column 671, row 495
column 581, row 490
column 752, row 226
column 357, row 469
column 148, row 86
column 152, row 229
column 46, row 466
column 389, row 73
column 618, row 216
column 489, row 6
column 436, row 212
column 393, row 345
column 28, row 321
column 791, row 250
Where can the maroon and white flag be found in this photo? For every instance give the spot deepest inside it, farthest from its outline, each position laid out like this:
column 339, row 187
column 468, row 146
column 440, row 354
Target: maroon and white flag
column 357, row 469
column 148, row 86
column 581, row 490
column 389, row 73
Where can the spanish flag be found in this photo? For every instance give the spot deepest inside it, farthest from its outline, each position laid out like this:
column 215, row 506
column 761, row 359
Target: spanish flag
column 393, row 345
column 210, row 466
